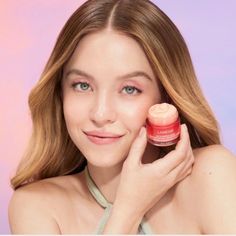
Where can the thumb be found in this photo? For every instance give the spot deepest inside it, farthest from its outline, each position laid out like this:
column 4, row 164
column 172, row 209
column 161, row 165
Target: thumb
column 137, row 148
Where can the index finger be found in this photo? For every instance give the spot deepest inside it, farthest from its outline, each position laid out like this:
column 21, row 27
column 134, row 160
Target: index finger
column 178, row 155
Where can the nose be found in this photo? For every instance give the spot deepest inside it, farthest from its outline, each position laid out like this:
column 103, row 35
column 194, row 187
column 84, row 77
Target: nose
column 103, row 110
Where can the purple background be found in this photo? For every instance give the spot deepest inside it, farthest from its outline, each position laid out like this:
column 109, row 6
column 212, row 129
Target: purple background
column 28, row 30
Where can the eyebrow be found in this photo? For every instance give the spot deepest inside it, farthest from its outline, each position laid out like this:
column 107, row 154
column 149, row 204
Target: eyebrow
column 126, row 76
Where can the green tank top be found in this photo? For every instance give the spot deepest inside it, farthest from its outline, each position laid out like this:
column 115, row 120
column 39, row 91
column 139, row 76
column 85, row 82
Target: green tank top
column 144, row 228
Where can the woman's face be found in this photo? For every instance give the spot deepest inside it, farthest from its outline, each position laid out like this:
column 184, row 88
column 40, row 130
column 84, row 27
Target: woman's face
column 108, row 86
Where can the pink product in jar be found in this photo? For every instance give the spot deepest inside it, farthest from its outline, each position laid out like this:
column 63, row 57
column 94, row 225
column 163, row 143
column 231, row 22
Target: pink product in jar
column 163, row 125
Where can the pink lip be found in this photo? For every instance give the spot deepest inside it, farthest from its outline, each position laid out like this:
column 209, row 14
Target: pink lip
column 102, row 137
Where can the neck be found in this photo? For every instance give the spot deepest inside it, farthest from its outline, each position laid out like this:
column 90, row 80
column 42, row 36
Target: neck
column 107, row 179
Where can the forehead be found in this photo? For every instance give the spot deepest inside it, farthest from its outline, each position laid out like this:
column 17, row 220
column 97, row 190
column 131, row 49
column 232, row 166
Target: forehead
column 109, row 52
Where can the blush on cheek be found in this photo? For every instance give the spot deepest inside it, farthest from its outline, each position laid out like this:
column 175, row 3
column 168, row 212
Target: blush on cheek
column 135, row 114
column 134, row 117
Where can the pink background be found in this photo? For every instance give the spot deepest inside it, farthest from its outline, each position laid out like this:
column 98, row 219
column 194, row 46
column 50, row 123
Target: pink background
column 28, row 30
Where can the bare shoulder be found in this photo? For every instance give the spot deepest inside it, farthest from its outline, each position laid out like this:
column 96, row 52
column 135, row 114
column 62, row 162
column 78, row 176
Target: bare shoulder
column 213, row 155
column 32, row 207
column 214, row 168
column 212, row 189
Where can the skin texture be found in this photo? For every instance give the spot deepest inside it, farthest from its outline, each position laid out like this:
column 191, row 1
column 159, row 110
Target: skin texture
column 176, row 196
column 106, row 104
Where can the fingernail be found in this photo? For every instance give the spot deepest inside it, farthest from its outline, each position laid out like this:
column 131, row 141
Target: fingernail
column 186, row 127
column 142, row 131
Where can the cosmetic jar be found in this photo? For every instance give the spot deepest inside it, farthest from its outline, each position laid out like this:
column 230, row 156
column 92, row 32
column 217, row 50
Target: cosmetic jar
column 163, row 125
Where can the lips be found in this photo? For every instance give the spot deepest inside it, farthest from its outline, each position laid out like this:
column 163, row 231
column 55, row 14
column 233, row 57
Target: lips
column 99, row 137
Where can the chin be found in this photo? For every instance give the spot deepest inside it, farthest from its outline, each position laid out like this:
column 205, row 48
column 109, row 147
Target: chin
column 103, row 155
column 105, row 159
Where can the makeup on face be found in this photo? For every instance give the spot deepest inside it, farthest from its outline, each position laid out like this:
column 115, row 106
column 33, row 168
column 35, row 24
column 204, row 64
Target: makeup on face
column 102, row 138
column 163, row 125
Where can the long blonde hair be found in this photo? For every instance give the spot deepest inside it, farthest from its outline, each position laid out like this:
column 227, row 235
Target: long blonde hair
column 51, row 152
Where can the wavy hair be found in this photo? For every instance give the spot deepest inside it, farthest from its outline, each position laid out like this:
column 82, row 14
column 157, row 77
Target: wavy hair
column 50, row 151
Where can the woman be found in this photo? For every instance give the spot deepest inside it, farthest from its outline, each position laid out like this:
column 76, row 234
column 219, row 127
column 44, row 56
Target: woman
column 88, row 167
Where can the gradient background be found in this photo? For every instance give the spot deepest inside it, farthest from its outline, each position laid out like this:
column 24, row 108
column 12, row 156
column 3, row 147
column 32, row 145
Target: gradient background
column 28, row 30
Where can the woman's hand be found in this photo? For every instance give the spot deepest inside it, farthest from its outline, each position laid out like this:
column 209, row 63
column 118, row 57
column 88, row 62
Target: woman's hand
column 143, row 185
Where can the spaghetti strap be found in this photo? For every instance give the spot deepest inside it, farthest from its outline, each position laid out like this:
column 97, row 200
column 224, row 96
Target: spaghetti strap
column 144, row 227
column 95, row 191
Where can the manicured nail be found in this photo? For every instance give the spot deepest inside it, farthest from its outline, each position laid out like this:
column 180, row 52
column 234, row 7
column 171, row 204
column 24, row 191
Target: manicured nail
column 142, row 131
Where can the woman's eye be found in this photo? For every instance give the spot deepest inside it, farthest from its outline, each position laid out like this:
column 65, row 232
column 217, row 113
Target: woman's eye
column 81, row 86
column 131, row 90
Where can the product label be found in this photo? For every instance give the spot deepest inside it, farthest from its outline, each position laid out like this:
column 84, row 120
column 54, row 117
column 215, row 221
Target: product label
column 163, row 134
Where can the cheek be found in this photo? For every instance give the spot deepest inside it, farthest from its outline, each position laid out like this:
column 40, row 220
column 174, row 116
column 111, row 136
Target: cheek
column 135, row 114
column 72, row 110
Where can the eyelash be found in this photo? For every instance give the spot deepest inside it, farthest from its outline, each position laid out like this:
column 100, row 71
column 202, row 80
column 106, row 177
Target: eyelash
column 79, row 83
column 138, row 91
